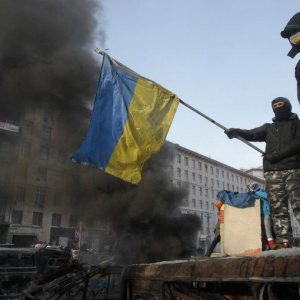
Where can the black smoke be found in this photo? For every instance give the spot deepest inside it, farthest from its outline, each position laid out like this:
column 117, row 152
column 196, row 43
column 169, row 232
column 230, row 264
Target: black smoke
column 46, row 54
column 46, row 58
column 145, row 221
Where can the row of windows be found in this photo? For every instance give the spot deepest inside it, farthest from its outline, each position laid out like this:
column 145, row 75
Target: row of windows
column 200, row 178
column 37, row 219
column 44, row 152
column 220, row 186
column 219, row 172
column 39, row 196
column 207, row 206
column 27, row 129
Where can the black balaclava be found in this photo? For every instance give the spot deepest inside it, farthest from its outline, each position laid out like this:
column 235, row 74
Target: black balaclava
column 284, row 111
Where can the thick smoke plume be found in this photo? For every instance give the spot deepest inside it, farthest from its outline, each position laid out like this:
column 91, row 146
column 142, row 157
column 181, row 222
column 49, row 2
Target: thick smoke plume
column 46, row 54
column 145, row 222
column 46, row 58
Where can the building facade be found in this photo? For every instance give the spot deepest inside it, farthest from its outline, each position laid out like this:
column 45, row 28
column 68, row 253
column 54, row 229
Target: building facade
column 204, row 177
column 39, row 185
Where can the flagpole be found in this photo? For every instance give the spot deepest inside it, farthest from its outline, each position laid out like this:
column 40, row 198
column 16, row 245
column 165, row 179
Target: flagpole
column 219, row 125
column 102, row 51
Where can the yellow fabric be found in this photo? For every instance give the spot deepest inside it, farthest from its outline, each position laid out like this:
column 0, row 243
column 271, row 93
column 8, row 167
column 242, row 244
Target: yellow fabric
column 150, row 115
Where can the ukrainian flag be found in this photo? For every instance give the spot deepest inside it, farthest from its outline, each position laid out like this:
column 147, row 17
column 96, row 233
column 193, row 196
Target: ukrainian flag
column 130, row 121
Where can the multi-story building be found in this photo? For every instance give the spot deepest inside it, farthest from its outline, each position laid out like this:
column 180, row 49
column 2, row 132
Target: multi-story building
column 204, row 178
column 38, row 182
column 257, row 172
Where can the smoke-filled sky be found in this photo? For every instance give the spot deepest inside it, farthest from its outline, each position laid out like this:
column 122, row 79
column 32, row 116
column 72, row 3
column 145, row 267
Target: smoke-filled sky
column 46, row 53
column 47, row 58
column 226, row 58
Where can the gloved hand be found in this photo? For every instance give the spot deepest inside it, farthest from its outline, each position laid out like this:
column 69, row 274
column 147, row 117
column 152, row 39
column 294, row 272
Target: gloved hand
column 272, row 157
column 232, row 132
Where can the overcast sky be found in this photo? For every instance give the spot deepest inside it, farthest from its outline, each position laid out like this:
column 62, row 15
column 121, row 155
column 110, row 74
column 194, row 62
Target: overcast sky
column 225, row 58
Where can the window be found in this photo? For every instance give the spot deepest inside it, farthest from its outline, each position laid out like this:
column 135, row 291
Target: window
column 218, row 183
column 212, row 206
column 73, row 221
column 199, row 165
column 211, row 170
column 48, row 115
column 201, row 204
column 206, row 205
column 47, row 131
column 193, row 163
column 227, row 175
column 40, row 197
column 200, row 178
column 37, row 218
column 186, row 174
column 44, row 153
column 222, row 172
column 218, row 172
column 206, row 168
column 179, row 158
column 212, row 182
column 27, row 127
column 178, row 184
column 223, row 183
column 5, row 149
column 41, row 174
column 200, row 191
column 194, row 203
column 228, row 188
column 237, row 178
column 232, row 188
column 194, row 176
column 186, row 161
column 56, row 220
column 194, row 190
column 206, row 192
column 16, row 216
column 56, row 199
column 178, row 172
column 25, row 149
column 20, row 194
column 232, row 178
column 206, row 180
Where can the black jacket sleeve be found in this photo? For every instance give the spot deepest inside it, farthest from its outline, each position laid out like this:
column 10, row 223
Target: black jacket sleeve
column 257, row 134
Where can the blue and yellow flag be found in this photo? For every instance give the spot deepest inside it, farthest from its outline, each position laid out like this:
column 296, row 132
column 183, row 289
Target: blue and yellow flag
column 130, row 121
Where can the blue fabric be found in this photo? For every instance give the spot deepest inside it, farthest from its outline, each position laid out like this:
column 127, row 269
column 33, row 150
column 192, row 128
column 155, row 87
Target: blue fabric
column 265, row 205
column 240, row 200
column 243, row 200
column 114, row 94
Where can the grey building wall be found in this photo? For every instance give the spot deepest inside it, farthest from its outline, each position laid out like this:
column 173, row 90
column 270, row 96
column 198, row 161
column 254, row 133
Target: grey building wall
column 38, row 182
column 204, row 178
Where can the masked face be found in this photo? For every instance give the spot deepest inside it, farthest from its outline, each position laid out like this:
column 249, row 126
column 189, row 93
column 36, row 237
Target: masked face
column 282, row 109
